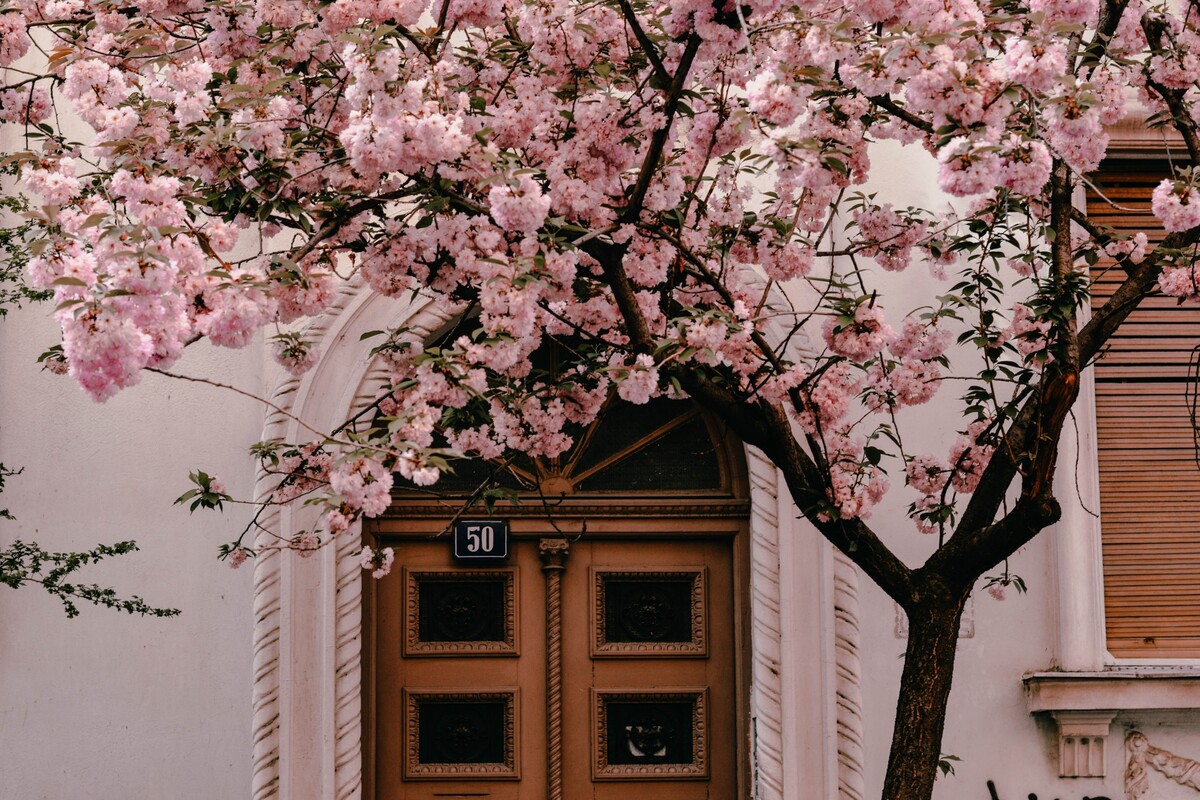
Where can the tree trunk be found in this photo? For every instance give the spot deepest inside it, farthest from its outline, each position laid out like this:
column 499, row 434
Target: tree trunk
column 921, row 707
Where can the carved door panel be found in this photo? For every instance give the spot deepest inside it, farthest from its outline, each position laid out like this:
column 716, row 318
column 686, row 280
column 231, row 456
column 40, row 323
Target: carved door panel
column 644, row 687
column 459, row 675
column 649, row 663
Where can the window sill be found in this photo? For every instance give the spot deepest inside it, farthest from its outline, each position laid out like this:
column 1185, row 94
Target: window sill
column 1118, row 688
column 1083, row 705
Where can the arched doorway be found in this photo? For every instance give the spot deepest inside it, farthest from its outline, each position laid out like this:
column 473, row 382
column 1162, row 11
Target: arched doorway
column 606, row 657
column 311, row 724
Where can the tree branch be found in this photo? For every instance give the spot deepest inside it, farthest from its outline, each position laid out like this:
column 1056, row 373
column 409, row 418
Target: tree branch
column 853, row 537
column 658, row 141
column 978, row 550
column 767, row 427
column 651, row 51
column 900, row 112
column 1154, row 29
column 1102, row 235
column 1141, row 280
column 1031, row 442
column 1062, row 264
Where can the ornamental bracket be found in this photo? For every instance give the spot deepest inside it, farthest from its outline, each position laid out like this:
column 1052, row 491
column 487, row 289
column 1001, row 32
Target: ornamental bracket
column 1082, row 737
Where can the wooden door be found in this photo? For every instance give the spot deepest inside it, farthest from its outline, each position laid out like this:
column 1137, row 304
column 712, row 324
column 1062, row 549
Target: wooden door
column 610, row 673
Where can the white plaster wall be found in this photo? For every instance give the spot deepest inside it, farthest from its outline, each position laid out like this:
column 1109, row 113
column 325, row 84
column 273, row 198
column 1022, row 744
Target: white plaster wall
column 107, row 706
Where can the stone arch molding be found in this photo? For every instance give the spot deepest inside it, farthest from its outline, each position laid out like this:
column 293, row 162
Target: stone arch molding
column 307, row 696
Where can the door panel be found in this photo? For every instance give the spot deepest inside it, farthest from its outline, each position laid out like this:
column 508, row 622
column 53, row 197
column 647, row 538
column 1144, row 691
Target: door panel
column 652, row 713
column 458, row 694
column 648, row 685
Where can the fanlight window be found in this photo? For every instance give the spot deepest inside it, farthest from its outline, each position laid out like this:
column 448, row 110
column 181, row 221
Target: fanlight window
column 665, row 447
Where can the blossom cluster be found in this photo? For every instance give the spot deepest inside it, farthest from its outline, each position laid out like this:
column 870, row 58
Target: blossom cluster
column 658, row 195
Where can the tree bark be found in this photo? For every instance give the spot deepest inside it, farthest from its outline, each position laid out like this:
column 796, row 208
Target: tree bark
column 924, row 691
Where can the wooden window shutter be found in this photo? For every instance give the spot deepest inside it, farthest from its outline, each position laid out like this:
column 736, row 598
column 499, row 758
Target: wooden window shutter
column 1149, row 479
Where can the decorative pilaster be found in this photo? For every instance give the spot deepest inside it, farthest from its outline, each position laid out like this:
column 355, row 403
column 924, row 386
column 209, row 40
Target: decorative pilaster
column 553, row 553
column 848, row 680
column 766, row 628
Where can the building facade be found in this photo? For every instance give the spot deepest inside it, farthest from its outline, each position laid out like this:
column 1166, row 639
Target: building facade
column 664, row 621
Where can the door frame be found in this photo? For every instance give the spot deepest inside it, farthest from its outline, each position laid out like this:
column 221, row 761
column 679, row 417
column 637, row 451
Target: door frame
column 805, row 695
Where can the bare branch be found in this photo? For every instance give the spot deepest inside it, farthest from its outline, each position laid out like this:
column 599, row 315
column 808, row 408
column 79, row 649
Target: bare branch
column 900, row 112
column 1102, row 235
column 648, row 46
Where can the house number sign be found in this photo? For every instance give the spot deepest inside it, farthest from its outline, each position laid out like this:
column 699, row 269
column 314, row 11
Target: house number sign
column 481, row 540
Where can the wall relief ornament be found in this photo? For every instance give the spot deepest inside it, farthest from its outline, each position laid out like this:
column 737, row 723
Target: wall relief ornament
column 1144, row 756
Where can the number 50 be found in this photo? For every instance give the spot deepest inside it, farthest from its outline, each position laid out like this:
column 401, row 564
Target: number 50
column 480, row 538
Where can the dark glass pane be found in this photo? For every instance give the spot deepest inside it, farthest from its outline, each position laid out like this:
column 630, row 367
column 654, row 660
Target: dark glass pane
column 622, row 425
column 460, row 732
column 685, row 459
column 649, row 732
column 461, row 610
column 648, row 611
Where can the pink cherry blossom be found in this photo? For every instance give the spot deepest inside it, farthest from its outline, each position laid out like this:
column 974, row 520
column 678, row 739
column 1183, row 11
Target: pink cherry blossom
column 1181, row 282
column 14, row 38
column 1134, row 248
column 306, row 544
column 920, row 339
column 1034, row 65
column 1177, row 205
column 103, row 351
column 519, row 208
column 1028, row 331
column 792, row 260
column 363, row 483
column 774, row 99
column 1073, row 12
column 860, row 338
column 1024, row 165
column 413, row 467
column 55, row 181
column 969, row 457
column 888, row 238
column 927, row 474
column 640, row 382
column 294, row 354
column 379, row 562
column 967, row 167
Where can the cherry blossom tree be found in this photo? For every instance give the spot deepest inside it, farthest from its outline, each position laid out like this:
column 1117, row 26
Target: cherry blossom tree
column 676, row 194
